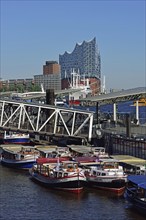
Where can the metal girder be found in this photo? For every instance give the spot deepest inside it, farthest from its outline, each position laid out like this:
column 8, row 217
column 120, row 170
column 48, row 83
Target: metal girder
column 45, row 118
column 114, row 97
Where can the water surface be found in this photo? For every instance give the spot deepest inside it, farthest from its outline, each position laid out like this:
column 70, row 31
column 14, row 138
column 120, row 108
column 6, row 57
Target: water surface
column 22, row 199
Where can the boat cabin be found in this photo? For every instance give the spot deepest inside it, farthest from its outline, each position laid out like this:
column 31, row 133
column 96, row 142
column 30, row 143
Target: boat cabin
column 99, row 152
column 18, row 152
column 106, row 165
column 79, row 150
column 10, row 153
column 110, row 165
column 52, row 151
column 46, row 152
column 56, row 170
column 69, row 165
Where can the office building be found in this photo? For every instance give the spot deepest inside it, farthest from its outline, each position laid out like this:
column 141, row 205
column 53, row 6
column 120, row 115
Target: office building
column 51, row 77
column 51, row 67
column 49, row 81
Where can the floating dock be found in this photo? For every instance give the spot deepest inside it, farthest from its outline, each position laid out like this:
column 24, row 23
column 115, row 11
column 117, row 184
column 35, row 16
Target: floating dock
column 132, row 165
column 129, row 159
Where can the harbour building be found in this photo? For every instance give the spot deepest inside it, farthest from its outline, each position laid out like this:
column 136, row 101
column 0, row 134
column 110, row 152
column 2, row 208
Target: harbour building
column 51, row 77
column 19, row 85
column 51, row 67
column 84, row 59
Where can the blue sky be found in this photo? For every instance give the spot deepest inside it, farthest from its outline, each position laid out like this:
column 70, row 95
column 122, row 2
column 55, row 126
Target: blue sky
column 35, row 31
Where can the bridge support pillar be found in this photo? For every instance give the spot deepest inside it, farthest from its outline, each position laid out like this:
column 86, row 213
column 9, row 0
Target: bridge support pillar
column 137, row 113
column 128, row 125
column 50, row 97
column 114, row 112
column 97, row 108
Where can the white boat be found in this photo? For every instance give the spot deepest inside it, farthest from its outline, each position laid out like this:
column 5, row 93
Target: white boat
column 16, row 138
column 99, row 152
column 65, row 176
column 51, row 153
column 108, row 175
column 20, row 157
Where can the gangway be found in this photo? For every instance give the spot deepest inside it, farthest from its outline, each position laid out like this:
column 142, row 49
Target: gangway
column 45, row 119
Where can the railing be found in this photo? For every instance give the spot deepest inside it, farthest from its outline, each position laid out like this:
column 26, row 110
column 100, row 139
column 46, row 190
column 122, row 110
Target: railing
column 47, row 119
column 125, row 146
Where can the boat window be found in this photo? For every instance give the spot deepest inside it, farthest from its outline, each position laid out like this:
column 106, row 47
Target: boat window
column 103, row 174
column 109, row 166
column 98, row 174
column 70, row 166
column 76, row 166
column 65, row 174
column 94, row 173
column 55, row 174
column 51, row 173
column 59, row 174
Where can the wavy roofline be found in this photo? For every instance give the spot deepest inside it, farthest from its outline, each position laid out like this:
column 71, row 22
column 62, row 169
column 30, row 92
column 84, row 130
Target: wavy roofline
column 78, row 44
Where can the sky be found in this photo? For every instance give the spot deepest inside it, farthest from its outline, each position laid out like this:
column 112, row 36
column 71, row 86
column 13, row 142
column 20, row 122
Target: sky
column 34, row 31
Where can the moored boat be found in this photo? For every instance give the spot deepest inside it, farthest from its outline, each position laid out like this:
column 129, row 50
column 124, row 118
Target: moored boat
column 108, row 175
column 17, row 156
column 99, row 152
column 64, row 175
column 135, row 192
column 16, row 138
column 51, row 153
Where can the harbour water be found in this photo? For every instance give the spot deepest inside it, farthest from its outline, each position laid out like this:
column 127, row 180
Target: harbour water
column 22, row 199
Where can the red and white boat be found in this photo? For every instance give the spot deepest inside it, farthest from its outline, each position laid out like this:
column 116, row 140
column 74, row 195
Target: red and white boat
column 51, row 154
column 108, row 175
column 65, row 176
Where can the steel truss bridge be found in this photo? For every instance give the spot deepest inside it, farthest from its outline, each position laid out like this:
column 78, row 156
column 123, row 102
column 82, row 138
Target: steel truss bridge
column 45, row 119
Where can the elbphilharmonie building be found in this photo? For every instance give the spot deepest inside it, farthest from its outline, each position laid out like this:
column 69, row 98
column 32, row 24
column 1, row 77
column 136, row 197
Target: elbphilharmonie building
column 84, row 59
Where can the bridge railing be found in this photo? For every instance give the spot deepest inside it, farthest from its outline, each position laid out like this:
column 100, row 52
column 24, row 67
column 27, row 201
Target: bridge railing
column 45, row 118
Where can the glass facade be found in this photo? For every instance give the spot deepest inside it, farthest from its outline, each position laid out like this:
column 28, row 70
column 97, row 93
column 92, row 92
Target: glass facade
column 84, row 59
